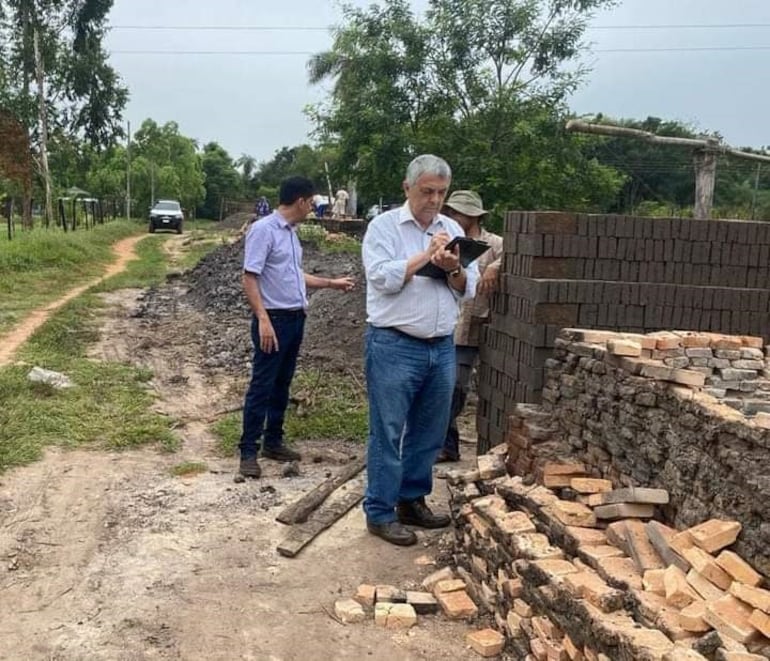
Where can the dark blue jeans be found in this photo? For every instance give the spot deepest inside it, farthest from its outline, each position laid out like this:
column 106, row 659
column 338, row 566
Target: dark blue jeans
column 409, row 384
column 271, row 375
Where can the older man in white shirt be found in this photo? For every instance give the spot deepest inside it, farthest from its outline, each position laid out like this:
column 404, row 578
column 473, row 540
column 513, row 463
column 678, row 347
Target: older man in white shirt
column 410, row 355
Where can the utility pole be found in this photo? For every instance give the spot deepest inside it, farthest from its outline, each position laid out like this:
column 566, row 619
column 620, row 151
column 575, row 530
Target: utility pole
column 754, row 194
column 128, row 173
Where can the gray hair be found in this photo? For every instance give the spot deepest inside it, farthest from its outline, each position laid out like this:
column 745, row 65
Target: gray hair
column 427, row 164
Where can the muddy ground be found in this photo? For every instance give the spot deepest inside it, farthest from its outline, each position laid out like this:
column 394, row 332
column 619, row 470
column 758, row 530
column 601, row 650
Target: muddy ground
column 108, row 556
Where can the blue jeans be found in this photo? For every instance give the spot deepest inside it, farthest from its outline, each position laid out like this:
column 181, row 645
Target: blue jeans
column 271, row 375
column 466, row 358
column 409, row 383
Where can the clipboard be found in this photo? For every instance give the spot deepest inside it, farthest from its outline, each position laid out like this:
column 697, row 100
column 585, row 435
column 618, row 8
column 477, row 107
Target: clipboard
column 470, row 251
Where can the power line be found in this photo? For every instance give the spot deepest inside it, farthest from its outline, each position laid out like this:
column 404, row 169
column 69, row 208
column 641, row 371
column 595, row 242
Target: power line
column 317, row 28
column 672, row 26
column 673, row 49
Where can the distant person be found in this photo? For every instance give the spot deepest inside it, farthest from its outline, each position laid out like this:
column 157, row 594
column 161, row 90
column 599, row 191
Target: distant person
column 409, row 350
column 276, row 288
column 261, row 208
column 321, row 203
column 466, row 207
column 340, row 206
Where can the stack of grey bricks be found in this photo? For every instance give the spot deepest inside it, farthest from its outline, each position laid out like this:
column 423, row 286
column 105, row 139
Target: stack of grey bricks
column 617, row 273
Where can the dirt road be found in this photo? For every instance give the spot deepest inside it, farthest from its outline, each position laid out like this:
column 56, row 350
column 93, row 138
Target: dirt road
column 11, row 341
column 109, row 556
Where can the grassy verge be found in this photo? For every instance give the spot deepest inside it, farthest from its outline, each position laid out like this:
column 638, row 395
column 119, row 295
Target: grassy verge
column 39, row 266
column 326, row 242
column 327, row 407
column 109, row 407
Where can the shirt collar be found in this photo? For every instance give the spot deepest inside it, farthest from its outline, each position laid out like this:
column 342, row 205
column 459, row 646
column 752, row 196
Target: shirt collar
column 282, row 222
column 405, row 215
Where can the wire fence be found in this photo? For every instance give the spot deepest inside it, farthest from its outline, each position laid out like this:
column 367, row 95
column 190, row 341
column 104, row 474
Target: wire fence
column 70, row 214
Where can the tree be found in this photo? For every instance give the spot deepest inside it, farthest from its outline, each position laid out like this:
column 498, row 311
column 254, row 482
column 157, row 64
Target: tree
column 165, row 164
column 222, row 179
column 482, row 82
column 61, row 79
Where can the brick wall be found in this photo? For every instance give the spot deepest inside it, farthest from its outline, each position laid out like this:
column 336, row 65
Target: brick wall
column 615, row 273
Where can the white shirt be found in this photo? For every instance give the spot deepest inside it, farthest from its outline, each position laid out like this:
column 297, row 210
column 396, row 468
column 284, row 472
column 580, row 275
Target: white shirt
column 423, row 307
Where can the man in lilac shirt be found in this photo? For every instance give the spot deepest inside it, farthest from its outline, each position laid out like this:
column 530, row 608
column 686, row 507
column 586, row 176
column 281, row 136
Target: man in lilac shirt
column 276, row 288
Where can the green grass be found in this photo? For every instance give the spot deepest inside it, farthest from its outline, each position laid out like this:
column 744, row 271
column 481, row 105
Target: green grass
column 317, row 235
column 38, row 266
column 330, row 407
column 189, row 468
column 109, row 407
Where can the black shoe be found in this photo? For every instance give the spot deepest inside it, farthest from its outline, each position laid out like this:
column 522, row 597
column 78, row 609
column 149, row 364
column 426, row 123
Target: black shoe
column 417, row 513
column 445, row 456
column 281, row 453
column 250, row 468
column 392, row 532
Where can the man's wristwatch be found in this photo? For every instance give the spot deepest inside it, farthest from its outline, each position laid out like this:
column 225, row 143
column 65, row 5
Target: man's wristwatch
column 456, row 273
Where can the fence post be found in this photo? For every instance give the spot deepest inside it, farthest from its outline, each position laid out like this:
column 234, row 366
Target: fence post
column 9, row 215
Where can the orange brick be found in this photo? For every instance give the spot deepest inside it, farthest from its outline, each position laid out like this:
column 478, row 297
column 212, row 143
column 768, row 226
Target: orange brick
column 590, row 485
column 572, row 514
column 738, row 568
column 522, row 608
column 365, row 595
column 486, row 643
column 680, row 542
column 555, row 568
column 707, row 567
column 516, row 523
column 539, row 650
column 756, row 597
column 640, row 549
column 730, row 617
column 703, row 586
column 715, row 534
column 587, row 536
column 571, row 649
column 619, row 571
column 457, row 605
column 574, row 468
column 691, row 618
column 545, row 629
column 761, row 622
column 452, row 585
column 653, row 581
column 590, row 586
column 678, row 592
column 625, row 511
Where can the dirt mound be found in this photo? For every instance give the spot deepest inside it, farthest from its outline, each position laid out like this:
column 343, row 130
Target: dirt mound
column 334, row 327
column 236, row 221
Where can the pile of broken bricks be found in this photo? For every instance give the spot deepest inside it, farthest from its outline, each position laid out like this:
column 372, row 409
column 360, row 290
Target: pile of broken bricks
column 590, row 574
column 393, row 608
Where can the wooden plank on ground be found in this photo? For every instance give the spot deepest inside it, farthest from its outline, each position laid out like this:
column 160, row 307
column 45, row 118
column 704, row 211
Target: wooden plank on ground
column 301, row 534
column 300, row 511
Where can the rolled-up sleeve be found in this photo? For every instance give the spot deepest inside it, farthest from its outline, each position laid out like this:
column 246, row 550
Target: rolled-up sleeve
column 471, row 282
column 384, row 272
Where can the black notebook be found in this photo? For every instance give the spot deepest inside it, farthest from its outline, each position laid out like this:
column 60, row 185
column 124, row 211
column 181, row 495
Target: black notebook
column 470, row 251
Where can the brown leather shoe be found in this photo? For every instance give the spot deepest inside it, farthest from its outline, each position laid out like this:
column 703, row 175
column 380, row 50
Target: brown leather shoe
column 392, row 532
column 281, row 453
column 250, row 468
column 417, row 513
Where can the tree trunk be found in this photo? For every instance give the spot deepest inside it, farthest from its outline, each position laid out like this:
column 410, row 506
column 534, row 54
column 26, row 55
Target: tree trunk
column 43, row 123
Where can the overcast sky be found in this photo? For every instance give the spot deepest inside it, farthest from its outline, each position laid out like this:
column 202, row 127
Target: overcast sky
column 253, row 104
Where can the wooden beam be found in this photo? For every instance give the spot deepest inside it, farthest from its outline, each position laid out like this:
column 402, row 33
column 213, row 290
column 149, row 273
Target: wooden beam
column 301, row 534
column 299, row 511
column 578, row 126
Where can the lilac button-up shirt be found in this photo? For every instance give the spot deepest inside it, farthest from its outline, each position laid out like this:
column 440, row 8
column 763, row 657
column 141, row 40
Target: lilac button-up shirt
column 273, row 252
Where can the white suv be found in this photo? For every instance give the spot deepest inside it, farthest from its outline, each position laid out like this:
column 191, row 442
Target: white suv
column 166, row 215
